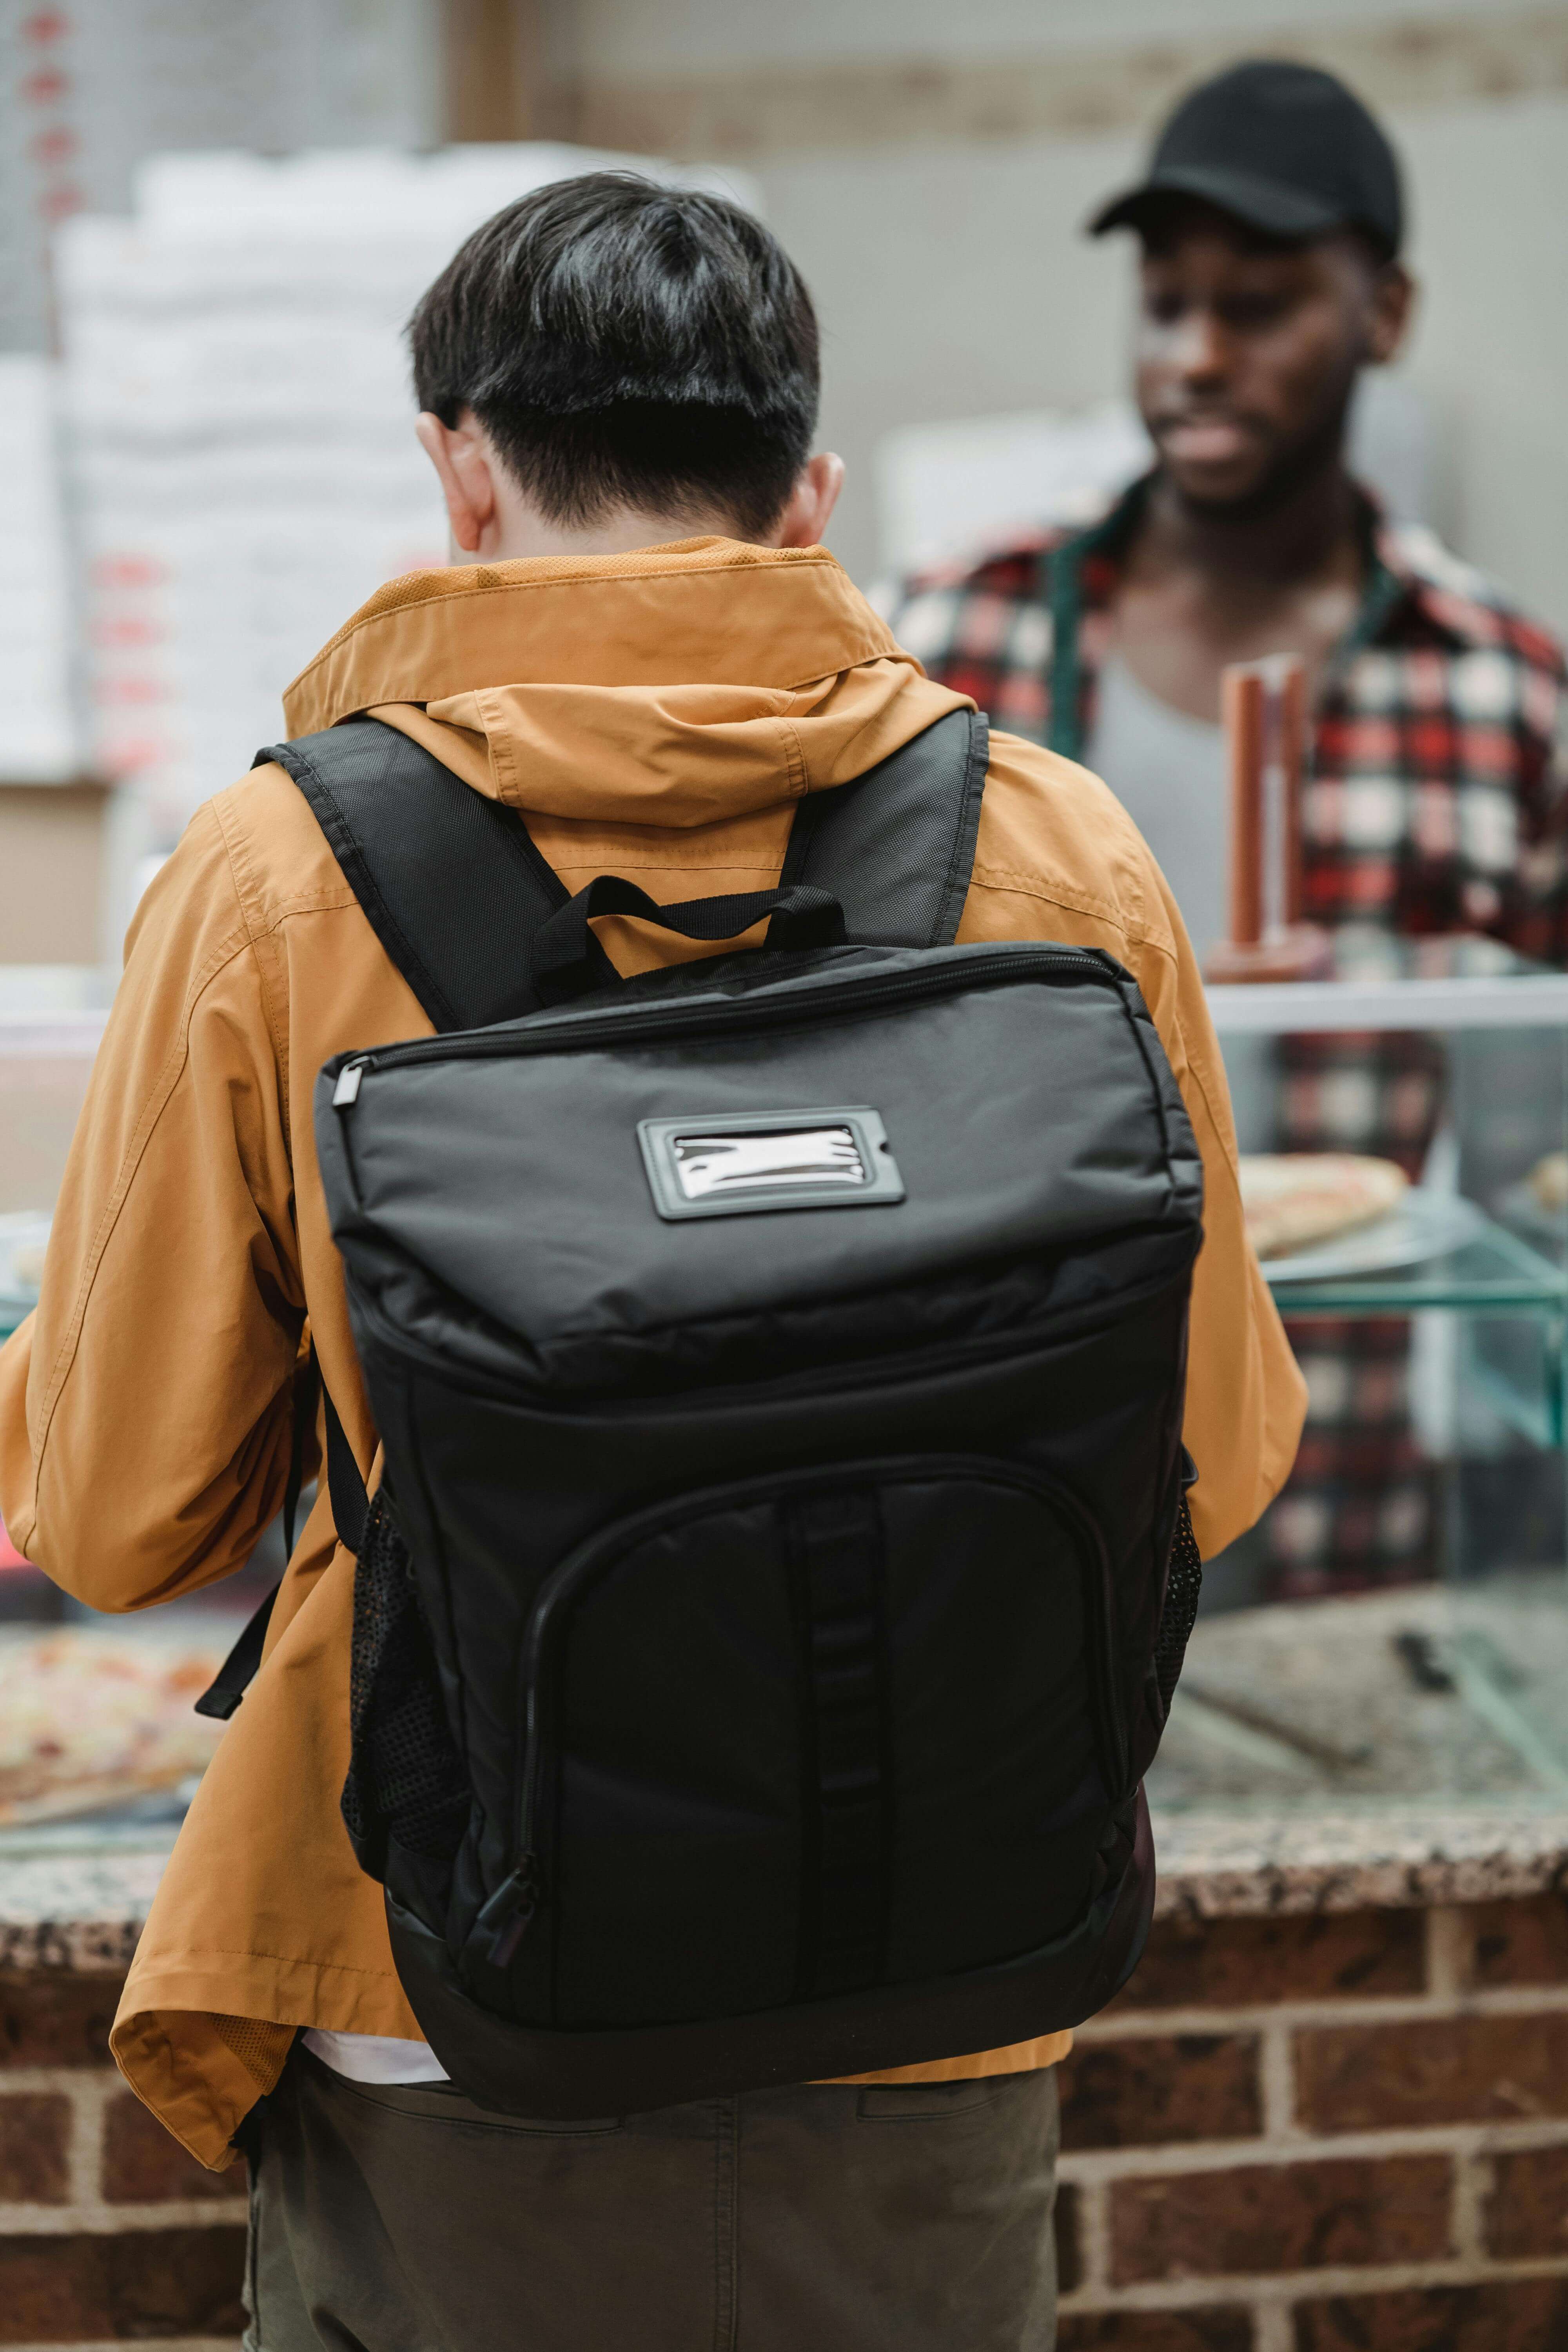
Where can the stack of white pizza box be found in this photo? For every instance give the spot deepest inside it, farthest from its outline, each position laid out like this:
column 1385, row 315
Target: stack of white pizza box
column 37, row 736
column 243, row 468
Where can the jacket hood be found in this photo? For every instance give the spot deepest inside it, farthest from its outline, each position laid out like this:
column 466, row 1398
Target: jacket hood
column 671, row 688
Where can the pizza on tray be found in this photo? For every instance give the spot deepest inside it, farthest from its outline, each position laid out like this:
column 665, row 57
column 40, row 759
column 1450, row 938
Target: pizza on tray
column 89, row 1720
column 1293, row 1199
column 1548, row 1181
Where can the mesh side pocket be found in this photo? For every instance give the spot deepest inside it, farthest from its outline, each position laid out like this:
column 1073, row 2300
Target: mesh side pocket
column 406, row 1778
column 1184, row 1583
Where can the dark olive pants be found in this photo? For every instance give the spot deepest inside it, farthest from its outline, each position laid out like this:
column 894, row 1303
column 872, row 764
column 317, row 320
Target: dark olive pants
column 914, row 2218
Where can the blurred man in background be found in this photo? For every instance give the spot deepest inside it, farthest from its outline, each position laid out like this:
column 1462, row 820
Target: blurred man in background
column 1270, row 226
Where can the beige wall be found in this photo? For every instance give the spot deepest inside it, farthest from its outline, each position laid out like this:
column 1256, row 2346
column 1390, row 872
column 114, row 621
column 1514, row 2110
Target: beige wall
column 955, row 282
column 930, row 168
column 652, row 39
column 53, row 840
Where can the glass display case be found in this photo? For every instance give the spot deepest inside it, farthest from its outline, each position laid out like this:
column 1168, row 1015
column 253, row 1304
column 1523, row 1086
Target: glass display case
column 49, row 1030
column 99, row 1750
column 1433, row 1669
column 1441, row 1323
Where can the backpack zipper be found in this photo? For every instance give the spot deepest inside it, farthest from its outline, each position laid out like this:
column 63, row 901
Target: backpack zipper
column 505, row 1918
column 753, row 1012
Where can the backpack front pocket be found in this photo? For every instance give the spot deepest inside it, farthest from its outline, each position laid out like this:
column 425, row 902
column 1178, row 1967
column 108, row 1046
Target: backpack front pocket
column 808, row 1735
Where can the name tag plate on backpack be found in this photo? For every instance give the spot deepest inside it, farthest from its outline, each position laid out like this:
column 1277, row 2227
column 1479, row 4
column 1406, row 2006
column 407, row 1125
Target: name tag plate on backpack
column 738, row 1165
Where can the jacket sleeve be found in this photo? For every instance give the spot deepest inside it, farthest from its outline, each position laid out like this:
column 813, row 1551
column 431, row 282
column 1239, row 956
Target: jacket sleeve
column 1246, row 1398
column 145, row 1407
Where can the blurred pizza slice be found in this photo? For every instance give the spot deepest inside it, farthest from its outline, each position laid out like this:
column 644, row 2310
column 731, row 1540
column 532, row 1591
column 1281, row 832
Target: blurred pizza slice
column 1292, row 1200
column 90, row 1720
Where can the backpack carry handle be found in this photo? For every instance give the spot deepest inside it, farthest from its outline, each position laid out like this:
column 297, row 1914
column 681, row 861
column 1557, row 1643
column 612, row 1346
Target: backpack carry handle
column 562, row 964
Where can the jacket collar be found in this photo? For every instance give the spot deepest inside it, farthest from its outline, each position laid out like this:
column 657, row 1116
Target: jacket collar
column 707, row 611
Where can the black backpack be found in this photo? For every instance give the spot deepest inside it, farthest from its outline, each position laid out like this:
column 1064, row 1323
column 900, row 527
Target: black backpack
column 782, row 1565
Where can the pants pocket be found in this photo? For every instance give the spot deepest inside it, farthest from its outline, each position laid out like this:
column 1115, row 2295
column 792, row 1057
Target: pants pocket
column 443, row 2103
column 894, row 2103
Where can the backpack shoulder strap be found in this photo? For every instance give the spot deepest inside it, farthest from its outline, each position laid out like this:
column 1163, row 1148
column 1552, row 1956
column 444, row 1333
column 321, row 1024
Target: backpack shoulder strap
column 896, row 847
column 455, row 890
column 350, row 1509
column 450, row 882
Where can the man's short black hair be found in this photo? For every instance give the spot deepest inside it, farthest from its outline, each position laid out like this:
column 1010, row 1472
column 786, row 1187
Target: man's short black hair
column 627, row 344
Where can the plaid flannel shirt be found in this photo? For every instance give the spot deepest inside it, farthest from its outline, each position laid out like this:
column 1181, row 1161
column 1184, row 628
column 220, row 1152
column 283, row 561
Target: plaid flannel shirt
column 1436, row 800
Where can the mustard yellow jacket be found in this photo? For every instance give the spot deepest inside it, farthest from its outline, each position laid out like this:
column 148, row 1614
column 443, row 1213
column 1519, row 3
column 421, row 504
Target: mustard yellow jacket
column 655, row 714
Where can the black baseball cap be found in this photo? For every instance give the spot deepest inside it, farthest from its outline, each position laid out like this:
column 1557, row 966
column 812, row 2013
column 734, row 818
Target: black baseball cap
column 1286, row 148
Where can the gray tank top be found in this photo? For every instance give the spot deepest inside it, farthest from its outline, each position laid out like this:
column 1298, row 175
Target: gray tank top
column 1168, row 771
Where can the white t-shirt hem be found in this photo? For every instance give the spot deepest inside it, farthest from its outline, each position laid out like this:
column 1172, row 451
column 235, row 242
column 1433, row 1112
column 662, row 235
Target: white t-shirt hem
column 375, row 2057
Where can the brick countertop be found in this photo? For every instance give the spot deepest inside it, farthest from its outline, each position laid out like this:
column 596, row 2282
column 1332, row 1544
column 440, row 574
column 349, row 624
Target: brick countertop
column 1329, row 2114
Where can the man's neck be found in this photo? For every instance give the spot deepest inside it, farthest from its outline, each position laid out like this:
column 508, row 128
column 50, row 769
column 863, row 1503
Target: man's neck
column 520, row 533
column 1201, row 588
column 1308, row 535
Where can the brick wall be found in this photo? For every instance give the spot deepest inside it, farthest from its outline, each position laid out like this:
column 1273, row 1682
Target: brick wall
column 108, row 2230
column 1345, row 2133
column 1339, row 2133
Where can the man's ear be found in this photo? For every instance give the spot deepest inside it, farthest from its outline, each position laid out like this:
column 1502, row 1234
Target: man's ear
column 810, row 503
column 1393, row 303
column 463, row 467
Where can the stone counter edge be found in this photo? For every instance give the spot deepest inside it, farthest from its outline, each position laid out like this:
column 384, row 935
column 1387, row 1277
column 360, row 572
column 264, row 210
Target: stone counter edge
column 85, row 1914
column 1216, row 1867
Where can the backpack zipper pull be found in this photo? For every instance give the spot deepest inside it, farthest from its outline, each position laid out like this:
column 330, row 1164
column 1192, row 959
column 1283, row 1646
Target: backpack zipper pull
column 506, row 1918
column 347, row 1088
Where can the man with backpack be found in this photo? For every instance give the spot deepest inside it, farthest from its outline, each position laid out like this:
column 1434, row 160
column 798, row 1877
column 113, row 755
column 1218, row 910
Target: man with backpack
column 772, row 1585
